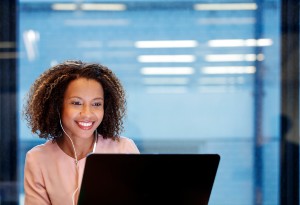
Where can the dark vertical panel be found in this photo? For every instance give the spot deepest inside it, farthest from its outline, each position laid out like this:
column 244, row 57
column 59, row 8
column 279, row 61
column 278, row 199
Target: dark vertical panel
column 8, row 119
column 289, row 153
column 258, row 111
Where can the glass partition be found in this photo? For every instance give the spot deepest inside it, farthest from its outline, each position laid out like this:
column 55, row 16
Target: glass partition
column 201, row 77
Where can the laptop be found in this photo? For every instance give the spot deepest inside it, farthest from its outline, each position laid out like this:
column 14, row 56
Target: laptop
column 144, row 179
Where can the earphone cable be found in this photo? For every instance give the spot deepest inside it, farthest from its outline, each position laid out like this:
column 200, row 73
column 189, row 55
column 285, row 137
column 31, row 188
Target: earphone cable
column 76, row 159
column 75, row 154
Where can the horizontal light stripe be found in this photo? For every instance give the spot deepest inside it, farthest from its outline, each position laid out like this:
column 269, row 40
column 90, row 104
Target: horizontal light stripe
column 232, row 6
column 239, row 42
column 217, row 89
column 233, row 57
column 229, row 70
column 264, row 42
column 165, row 81
column 96, row 22
column 8, row 55
column 166, row 58
column 167, row 71
column 88, row 7
column 166, row 44
column 260, row 57
column 221, row 80
column 225, row 21
column 7, row 44
column 103, row 7
column 64, row 7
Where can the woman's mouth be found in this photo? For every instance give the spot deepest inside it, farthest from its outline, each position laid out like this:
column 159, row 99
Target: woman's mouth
column 85, row 125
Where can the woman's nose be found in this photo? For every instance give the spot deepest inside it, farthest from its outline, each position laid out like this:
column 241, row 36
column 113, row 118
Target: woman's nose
column 86, row 110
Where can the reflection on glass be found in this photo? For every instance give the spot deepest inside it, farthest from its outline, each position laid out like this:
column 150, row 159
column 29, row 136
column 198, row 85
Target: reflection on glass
column 189, row 70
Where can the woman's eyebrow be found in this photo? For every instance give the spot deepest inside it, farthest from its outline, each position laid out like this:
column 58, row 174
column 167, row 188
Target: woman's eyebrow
column 99, row 98
column 74, row 97
column 77, row 97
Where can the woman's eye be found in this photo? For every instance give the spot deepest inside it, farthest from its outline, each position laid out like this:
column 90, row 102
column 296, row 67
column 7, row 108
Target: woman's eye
column 97, row 104
column 75, row 103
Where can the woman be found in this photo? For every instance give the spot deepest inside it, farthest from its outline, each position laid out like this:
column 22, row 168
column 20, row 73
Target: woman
column 78, row 107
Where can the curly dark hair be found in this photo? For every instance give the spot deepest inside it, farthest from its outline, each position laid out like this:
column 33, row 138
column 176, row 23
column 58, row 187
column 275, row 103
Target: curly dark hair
column 45, row 99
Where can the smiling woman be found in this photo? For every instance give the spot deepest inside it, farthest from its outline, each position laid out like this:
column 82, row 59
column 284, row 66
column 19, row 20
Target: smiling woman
column 79, row 108
column 82, row 113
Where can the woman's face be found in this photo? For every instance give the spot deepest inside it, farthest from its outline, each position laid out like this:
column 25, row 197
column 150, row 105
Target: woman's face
column 83, row 108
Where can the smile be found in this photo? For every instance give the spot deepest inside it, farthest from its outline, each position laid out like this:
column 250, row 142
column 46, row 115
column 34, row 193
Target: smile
column 85, row 125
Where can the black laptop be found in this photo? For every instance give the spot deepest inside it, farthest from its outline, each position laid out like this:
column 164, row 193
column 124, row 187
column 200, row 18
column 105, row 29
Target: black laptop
column 144, row 179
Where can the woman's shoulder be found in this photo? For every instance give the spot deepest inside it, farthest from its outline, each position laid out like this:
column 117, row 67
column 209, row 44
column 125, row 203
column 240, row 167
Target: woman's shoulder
column 42, row 150
column 119, row 145
column 125, row 140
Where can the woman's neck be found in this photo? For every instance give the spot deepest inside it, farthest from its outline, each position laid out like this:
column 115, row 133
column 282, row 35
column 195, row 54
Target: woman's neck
column 82, row 146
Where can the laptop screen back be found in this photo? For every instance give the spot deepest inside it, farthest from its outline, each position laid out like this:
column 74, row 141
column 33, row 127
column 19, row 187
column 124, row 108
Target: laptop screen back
column 177, row 179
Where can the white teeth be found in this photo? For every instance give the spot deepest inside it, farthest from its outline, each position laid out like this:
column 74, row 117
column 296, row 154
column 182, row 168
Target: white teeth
column 85, row 124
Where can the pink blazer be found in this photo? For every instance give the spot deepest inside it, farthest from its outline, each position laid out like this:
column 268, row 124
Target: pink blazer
column 50, row 174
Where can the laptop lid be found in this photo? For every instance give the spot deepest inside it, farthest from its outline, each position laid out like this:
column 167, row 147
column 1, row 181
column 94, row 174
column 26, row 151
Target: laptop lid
column 142, row 179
